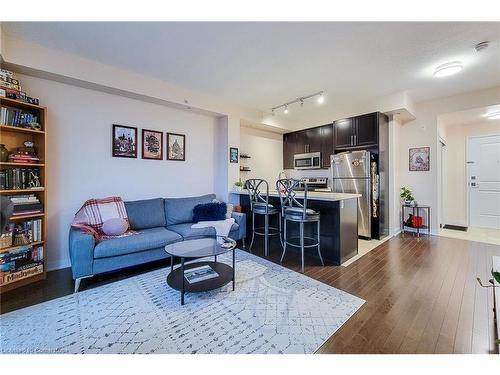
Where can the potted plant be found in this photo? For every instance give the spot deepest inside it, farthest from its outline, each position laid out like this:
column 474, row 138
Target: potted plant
column 406, row 196
column 238, row 185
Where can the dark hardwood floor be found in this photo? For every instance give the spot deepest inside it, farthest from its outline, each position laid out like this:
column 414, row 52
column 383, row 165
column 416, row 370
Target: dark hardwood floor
column 421, row 295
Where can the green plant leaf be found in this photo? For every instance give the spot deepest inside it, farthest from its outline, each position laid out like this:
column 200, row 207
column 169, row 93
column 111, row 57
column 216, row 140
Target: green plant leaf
column 496, row 276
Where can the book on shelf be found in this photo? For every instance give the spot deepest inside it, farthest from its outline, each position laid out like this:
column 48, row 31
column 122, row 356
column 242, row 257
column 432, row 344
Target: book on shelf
column 19, row 118
column 20, row 263
column 27, row 232
column 10, row 87
column 19, row 178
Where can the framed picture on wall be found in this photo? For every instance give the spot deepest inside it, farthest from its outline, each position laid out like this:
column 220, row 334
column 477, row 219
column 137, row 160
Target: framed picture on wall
column 152, row 144
column 176, row 147
column 124, row 141
column 419, row 158
column 233, row 155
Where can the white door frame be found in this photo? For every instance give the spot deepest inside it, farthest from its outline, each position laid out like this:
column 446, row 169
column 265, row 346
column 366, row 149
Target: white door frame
column 467, row 177
column 443, row 185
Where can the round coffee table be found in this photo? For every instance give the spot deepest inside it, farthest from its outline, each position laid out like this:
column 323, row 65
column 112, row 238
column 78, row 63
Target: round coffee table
column 200, row 248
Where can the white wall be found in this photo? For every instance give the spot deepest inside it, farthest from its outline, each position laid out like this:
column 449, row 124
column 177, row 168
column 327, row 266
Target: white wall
column 456, row 172
column 423, row 131
column 80, row 165
column 266, row 151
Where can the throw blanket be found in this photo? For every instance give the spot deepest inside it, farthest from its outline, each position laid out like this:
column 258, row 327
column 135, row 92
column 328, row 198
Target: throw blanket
column 95, row 212
column 222, row 227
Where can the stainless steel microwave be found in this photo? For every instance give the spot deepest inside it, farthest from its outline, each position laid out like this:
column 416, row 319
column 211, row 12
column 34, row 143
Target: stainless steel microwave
column 311, row 160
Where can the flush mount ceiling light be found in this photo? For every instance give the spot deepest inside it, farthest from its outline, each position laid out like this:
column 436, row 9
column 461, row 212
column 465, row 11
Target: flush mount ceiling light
column 300, row 100
column 495, row 115
column 448, row 69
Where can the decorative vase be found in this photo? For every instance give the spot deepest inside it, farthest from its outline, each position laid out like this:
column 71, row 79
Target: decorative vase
column 407, row 203
column 4, row 153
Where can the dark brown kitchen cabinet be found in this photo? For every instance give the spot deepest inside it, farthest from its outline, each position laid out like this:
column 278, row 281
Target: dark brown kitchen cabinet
column 356, row 131
column 366, row 129
column 343, row 132
column 326, row 144
column 318, row 139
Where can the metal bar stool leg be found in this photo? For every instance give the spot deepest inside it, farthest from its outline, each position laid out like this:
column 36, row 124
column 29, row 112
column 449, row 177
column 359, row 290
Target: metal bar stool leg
column 253, row 231
column 266, row 235
column 302, row 246
column 284, row 245
column 319, row 247
column 281, row 239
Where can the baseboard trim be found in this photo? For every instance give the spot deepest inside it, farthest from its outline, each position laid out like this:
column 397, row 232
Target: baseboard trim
column 58, row 264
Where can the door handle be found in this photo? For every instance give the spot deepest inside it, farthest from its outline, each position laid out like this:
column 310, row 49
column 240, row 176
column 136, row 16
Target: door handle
column 352, row 144
column 355, row 140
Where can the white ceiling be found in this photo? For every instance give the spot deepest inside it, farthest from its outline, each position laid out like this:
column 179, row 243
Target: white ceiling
column 262, row 65
column 468, row 117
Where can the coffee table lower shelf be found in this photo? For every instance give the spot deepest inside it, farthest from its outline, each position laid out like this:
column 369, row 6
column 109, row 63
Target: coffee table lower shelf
column 175, row 278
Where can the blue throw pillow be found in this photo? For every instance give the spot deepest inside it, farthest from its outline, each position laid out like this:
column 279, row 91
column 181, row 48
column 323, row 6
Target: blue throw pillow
column 209, row 212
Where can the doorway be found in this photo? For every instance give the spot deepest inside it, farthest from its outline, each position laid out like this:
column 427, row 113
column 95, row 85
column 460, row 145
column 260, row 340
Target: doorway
column 483, row 181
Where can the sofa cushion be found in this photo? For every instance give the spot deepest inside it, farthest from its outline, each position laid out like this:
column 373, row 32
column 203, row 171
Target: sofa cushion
column 148, row 213
column 180, row 210
column 187, row 232
column 146, row 239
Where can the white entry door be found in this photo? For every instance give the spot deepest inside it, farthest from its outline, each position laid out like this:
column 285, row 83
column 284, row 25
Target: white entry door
column 483, row 162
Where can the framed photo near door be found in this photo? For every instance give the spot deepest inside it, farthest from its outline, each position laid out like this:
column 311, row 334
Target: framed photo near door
column 419, row 159
column 233, row 155
column 176, row 147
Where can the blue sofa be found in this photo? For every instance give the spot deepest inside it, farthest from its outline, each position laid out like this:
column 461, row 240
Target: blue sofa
column 159, row 222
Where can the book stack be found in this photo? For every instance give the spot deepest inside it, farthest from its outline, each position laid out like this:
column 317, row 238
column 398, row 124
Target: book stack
column 18, row 118
column 20, row 263
column 10, row 88
column 27, row 204
column 23, row 158
column 19, row 178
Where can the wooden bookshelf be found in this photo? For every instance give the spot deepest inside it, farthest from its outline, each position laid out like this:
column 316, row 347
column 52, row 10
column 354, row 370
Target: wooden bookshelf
column 13, row 137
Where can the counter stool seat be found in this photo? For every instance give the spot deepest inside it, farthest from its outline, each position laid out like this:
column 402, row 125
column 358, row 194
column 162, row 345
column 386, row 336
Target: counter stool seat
column 297, row 214
column 260, row 208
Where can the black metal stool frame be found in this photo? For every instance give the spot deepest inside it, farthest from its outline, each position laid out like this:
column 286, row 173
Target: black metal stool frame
column 287, row 192
column 253, row 186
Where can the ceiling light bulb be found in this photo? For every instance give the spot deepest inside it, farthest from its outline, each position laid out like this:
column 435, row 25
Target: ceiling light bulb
column 448, row 69
column 321, row 99
column 285, row 111
column 493, row 115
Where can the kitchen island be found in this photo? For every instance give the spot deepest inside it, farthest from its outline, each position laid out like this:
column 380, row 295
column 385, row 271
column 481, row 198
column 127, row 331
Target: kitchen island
column 339, row 224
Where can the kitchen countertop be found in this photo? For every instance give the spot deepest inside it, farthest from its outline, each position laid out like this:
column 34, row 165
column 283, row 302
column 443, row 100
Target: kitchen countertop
column 311, row 195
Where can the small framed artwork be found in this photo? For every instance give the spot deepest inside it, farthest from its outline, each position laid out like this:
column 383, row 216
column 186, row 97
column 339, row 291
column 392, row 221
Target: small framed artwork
column 124, row 141
column 152, row 144
column 419, row 158
column 233, row 155
column 176, row 147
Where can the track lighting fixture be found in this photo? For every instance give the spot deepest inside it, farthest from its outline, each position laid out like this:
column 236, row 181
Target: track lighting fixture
column 301, row 100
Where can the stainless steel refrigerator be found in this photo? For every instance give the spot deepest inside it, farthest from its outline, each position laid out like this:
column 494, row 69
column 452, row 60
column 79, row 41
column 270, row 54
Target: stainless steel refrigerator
column 351, row 173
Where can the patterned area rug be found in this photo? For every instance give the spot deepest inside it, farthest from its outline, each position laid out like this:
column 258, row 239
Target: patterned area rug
column 273, row 310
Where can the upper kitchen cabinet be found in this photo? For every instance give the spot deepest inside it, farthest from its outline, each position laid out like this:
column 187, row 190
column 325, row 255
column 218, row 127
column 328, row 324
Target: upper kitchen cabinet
column 326, row 144
column 343, row 132
column 318, row 139
column 366, row 129
column 356, row 132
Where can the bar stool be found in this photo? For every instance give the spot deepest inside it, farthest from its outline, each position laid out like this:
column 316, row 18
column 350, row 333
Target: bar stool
column 260, row 206
column 293, row 210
